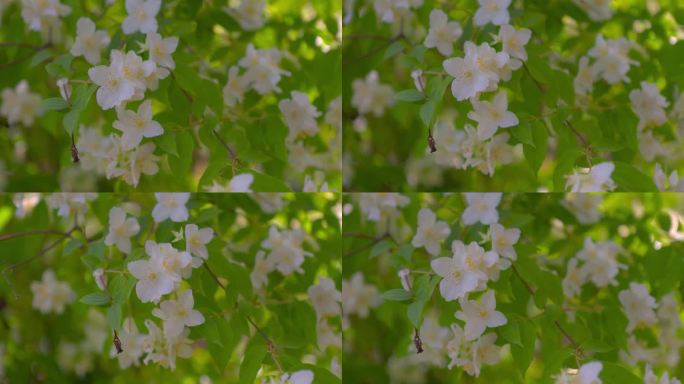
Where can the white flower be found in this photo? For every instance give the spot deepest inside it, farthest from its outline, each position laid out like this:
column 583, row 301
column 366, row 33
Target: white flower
column 665, row 182
column 430, row 232
column 514, row 41
column 141, row 16
column 601, row 261
column 141, row 161
column 51, row 295
column 178, row 313
column 239, row 183
column 20, row 105
column 481, row 207
column 121, row 229
column 503, row 240
column 196, row 240
column 263, row 72
column 171, row 206
column 152, row 281
column 136, row 125
column 612, row 60
column 300, row 115
column 492, row 11
column 573, row 280
column 371, row 96
column 43, row 15
column 358, row 297
column 479, row 315
column 586, row 75
column 299, row 377
column 132, row 341
column 595, row 179
column 333, row 115
column 100, row 278
column 584, row 206
column 89, row 42
column 652, row 378
column 443, row 33
column 114, row 89
column 325, row 298
column 262, row 267
column 134, row 70
column 638, row 305
column 468, row 80
column 70, row 204
column 589, row 373
column 233, row 92
column 598, row 10
column 161, row 49
column 175, row 263
column 492, row 115
column 649, row 105
column 457, row 278
column 250, row 14
column 286, row 249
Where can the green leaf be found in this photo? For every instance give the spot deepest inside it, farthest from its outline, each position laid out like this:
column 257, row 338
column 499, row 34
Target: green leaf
column 95, row 298
column 53, row 104
column 415, row 313
column 393, row 49
column 82, row 95
column 70, row 120
column 380, row 247
column 410, row 95
column 267, row 183
column 72, row 245
column 523, row 133
column 535, row 154
column 630, row 179
column 613, row 373
column 114, row 316
column 511, row 332
column 427, row 112
column 253, row 357
column 121, row 287
column 167, row 142
column 39, row 57
column 397, row 294
column 523, row 353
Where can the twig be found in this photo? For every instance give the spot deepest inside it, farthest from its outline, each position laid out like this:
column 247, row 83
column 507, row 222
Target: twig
column 575, row 345
column 536, row 82
column 362, row 36
column 376, row 240
column 213, row 275
column 8, row 236
column 272, row 349
column 234, row 161
column 582, row 140
column 35, row 49
column 42, row 252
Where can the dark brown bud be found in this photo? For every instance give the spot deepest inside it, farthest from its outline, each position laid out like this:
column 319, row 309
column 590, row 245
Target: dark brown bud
column 431, row 143
column 117, row 343
column 418, row 342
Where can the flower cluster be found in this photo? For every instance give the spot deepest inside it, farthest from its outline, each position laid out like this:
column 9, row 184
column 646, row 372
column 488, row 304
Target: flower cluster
column 285, row 254
column 51, row 295
column 44, row 16
column 159, row 275
column 599, row 265
column 19, row 105
column 326, row 301
column 643, row 311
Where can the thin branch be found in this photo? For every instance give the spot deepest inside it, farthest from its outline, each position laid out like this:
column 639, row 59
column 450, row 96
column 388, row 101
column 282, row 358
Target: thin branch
column 34, row 50
column 8, row 236
column 536, row 82
column 575, row 345
column 582, row 140
column 376, row 240
column 234, row 161
column 363, row 36
column 41, row 253
column 213, row 275
column 272, row 348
